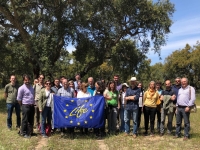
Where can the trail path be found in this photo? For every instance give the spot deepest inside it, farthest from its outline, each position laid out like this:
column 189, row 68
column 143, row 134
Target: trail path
column 102, row 145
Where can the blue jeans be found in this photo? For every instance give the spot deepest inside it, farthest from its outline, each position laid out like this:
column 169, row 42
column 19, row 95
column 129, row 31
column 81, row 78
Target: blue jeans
column 10, row 107
column 122, row 127
column 181, row 114
column 127, row 115
column 46, row 115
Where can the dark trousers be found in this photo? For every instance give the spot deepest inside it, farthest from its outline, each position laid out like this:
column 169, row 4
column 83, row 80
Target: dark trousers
column 10, row 107
column 46, row 116
column 139, row 116
column 181, row 114
column 27, row 119
column 37, row 120
column 149, row 113
column 158, row 113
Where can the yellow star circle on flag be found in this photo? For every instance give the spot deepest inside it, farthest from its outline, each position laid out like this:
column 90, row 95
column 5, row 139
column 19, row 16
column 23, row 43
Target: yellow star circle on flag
column 66, row 116
column 86, row 101
column 65, row 110
column 90, row 117
column 72, row 101
column 67, row 105
column 85, row 122
column 93, row 110
column 78, row 123
column 71, row 121
column 90, row 104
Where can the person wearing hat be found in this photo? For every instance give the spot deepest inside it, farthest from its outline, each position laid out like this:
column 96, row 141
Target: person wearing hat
column 132, row 98
column 122, row 105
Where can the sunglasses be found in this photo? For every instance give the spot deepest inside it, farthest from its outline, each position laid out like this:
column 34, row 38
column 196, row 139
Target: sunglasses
column 48, row 83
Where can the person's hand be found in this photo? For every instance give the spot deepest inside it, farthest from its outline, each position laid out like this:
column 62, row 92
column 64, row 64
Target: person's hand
column 176, row 111
column 173, row 97
column 40, row 111
column 187, row 109
column 161, row 97
column 127, row 98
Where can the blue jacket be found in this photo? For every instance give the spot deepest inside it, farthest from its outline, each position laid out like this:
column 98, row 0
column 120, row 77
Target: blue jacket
column 132, row 104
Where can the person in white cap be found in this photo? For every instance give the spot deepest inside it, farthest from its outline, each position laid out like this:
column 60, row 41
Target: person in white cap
column 132, row 98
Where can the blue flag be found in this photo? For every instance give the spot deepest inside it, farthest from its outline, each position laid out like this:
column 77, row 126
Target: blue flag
column 78, row 112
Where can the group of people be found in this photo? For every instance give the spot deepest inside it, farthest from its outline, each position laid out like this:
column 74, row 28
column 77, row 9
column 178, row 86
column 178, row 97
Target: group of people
column 123, row 103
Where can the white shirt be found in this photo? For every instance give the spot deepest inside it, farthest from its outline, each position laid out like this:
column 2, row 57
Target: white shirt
column 49, row 95
column 83, row 95
column 140, row 100
column 122, row 97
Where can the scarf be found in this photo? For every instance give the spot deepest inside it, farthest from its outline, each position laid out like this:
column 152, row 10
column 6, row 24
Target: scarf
column 151, row 92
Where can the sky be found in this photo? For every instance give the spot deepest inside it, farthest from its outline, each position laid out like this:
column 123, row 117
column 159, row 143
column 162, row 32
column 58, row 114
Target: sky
column 185, row 29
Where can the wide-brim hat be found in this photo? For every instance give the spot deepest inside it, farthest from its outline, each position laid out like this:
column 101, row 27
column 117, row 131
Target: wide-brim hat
column 125, row 84
column 133, row 79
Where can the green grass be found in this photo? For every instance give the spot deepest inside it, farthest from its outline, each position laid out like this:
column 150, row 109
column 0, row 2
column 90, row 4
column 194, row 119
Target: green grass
column 10, row 140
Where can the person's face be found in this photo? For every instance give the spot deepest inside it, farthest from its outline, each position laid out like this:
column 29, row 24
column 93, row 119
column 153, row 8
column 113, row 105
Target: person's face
column 41, row 79
column 139, row 85
column 79, row 85
column 152, row 86
column 77, row 77
column 116, row 79
column 178, row 82
column 96, row 86
column 48, row 85
column 90, row 81
column 35, row 81
column 57, row 82
column 112, row 86
column 26, row 81
column 184, row 82
column 167, row 84
column 133, row 83
column 65, row 83
column 71, row 85
column 157, row 86
column 13, row 80
column 125, row 88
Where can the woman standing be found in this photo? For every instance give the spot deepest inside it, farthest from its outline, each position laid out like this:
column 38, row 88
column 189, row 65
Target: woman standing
column 83, row 94
column 140, row 103
column 71, row 85
column 112, row 100
column 122, row 105
column 45, row 104
column 151, row 97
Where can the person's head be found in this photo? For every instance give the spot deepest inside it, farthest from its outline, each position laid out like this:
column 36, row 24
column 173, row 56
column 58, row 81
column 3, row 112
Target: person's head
column 158, row 85
column 100, row 87
column 26, row 79
column 56, row 82
column 77, row 76
column 79, row 82
column 65, row 83
column 112, row 86
column 12, row 79
column 116, row 78
column 140, row 85
column 90, row 81
column 184, row 82
column 71, row 84
column 133, row 81
column 61, row 79
column 152, row 85
column 102, row 80
column 41, row 78
column 47, row 84
column 124, row 87
column 84, row 87
column 35, row 81
column 178, row 81
column 167, row 84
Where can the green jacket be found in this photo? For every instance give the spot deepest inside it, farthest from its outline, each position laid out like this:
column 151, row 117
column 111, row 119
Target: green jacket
column 11, row 92
column 168, row 104
column 43, row 99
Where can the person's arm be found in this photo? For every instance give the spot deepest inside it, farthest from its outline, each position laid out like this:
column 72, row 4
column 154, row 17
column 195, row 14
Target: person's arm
column 192, row 97
column 20, row 96
column 5, row 92
column 40, row 100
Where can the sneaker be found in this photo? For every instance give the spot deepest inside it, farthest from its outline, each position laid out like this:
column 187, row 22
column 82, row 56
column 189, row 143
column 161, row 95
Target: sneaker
column 126, row 134
column 45, row 136
column 27, row 136
column 161, row 134
column 145, row 133
column 151, row 134
column 185, row 138
column 176, row 136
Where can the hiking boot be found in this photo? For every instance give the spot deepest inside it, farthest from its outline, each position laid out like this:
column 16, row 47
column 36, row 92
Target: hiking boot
column 161, row 134
column 185, row 138
column 45, row 136
column 134, row 136
column 27, row 136
column 126, row 134
column 145, row 133
column 176, row 136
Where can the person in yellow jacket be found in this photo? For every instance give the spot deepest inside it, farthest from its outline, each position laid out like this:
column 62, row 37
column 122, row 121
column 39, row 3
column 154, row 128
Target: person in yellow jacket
column 45, row 103
column 151, row 96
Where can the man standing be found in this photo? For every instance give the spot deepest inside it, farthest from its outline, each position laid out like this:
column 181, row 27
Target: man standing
column 25, row 98
column 116, row 79
column 77, row 78
column 91, row 87
column 165, row 111
column 56, row 86
column 66, row 91
column 186, row 98
column 10, row 94
column 132, row 98
column 37, row 88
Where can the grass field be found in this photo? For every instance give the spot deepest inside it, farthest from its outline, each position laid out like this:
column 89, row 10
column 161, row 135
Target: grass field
column 10, row 140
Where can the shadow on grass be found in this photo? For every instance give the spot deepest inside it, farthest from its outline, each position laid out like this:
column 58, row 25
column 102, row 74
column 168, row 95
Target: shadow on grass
column 3, row 106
